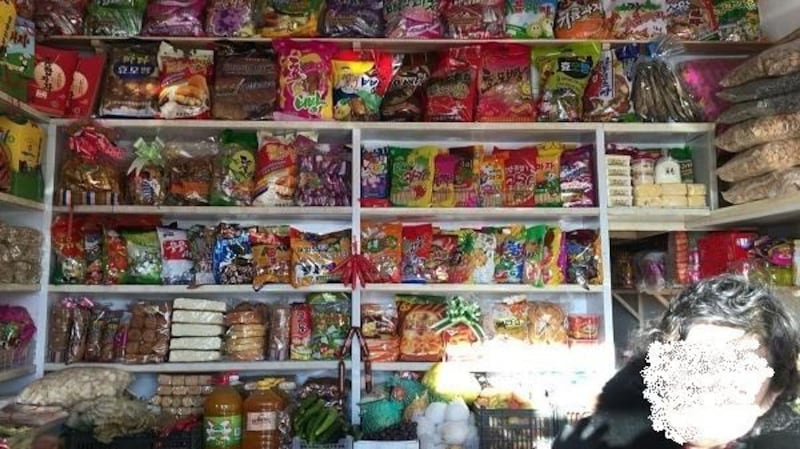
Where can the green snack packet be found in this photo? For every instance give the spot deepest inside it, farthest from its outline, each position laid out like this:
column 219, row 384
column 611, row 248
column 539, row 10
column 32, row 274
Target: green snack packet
column 144, row 257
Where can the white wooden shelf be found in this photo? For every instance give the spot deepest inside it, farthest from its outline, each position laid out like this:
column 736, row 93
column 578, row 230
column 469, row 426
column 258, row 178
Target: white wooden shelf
column 15, row 202
column 19, row 288
column 757, row 213
column 208, row 367
column 11, row 105
column 648, row 219
column 508, row 214
column 484, row 367
column 317, row 213
column 479, row 288
column 15, row 373
column 187, row 290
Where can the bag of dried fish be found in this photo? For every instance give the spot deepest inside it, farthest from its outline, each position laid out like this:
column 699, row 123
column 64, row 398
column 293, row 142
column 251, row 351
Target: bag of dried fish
column 658, row 91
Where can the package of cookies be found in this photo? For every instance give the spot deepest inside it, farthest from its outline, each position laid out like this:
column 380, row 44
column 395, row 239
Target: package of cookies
column 185, row 76
column 148, row 332
column 131, row 82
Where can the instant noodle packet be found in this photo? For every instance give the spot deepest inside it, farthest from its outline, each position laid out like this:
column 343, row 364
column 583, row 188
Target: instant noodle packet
column 418, row 314
column 305, row 89
column 548, row 175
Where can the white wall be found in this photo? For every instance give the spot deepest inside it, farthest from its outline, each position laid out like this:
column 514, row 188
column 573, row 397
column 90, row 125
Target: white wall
column 779, row 17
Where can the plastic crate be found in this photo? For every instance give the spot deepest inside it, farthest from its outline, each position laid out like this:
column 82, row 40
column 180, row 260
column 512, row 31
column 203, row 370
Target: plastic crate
column 517, row 429
column 82, row 440
column 346, row 443
column 192, row 439
column 386, row 444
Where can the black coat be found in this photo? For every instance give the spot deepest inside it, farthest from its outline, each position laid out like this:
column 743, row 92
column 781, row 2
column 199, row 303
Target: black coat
column 624, row 410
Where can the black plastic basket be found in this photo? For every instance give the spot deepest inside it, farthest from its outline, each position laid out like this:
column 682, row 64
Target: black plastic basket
column 190, row 439
column 517, row 429
column 81, row 440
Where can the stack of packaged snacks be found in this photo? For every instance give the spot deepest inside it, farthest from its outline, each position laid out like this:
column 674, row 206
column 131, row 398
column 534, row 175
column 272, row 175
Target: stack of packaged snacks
column 20, row 251
column 196, row 330
column 148, row 337
column 182, row 395
column 246, row 337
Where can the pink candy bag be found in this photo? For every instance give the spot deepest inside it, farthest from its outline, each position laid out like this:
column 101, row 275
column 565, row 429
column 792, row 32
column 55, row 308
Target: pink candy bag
column 305, row 90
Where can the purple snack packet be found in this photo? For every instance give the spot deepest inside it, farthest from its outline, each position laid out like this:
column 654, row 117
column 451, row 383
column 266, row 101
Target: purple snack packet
column 577, row 177
column 353, row 18
column 174, row 18
column 230, row 18
column 374, row 174
column 324, row 177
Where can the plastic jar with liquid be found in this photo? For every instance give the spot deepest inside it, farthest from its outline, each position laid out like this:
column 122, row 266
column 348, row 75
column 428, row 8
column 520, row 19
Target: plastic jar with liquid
column 222, row 415
column 262, row 412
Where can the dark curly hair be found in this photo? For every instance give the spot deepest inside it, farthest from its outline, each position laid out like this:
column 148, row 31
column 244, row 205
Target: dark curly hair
column 733, row 301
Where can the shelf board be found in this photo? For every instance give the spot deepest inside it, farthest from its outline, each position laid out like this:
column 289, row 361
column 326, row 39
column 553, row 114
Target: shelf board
column 477, row 213
column 207, row 367
column 478, row 288
column 11, row 105
column 186, row 290
column 15, row 373
column 320, row 213
column 480, row 367
column 659, row 128
column 19, row 288
column 755, row 214
column 15, row 202
column 647, row 219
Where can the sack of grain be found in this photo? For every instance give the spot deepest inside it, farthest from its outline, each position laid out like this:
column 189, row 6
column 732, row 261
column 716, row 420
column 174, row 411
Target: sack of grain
column 779, row 60
column 771, row 185
column 783, row 104
column 759, row 131
column 761, row 160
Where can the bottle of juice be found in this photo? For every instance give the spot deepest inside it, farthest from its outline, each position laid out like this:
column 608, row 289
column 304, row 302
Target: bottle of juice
column 262, row 410
column 222, row 420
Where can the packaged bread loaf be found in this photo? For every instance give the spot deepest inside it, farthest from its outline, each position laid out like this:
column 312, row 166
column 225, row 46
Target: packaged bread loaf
column 149, row 332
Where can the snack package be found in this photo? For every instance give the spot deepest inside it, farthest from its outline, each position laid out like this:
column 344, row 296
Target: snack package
column 417, row 315
column 149, row 333
column 305, row 83
column 234, row 169
column 462, row 262
column 378, row 320
column 359, row 81
column 439, row 263
column 504, row 86
column 58, row 330
column 56, row 18
column 412, row 176
column 330, row 318
column 300, row 332
column 403, row 101
column 68, row 251
column 555, row 257
column 691, row 20
column 508, row 320
column 79, row 330
column 174, row 18
column 530, row 19
column 383, row 350
column 548, row 175
column 91, row 172
column 190, row 169
column 577, row 177
column 202, row 238
column 607, row 96
column 565, row 73
column 739, row 20
column 535, row 256
column 277, row 18
column 492, row 179
column 466, row 19
column 583, row 258
column 131, row 84
column 353, row 18
column 230, row 18
column 581, row 19
column 375, row 177
column 93, row 250
column 185, row 76
column 146, row 177
column 21, row 145
column 510, row 255
column 276, row 174
column 316, row 256
column 245, row 83
column 272, row 255
column 96, row 328
column 325, row 176
column 118, row 19
column 546, row 323
column 444, row 192
column 412, row 19
column 176, row 256
column 638, row 20
column 85, row 85
column 381, row 244
column 467, row 178
column 50, row 88
column 233, row 256
column 416, row 249
column 280, row 320
column 452, row 90
column 115, row 257
column 144, row 257
column 520, row 177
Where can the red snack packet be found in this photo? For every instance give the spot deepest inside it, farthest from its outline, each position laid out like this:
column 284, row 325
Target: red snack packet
column 85, row 86
column 505, row 93
column 452, row 89
column 49, row 90
column 300, row 332
column 381, row 245
column 520, row 177
column 439, row 264
column 416, row 250
column 470, row 19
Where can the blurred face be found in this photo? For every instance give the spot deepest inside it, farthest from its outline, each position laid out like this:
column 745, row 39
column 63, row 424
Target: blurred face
column 709, row 389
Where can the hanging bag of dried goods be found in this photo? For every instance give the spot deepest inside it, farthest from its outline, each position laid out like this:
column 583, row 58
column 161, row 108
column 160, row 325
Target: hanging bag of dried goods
column 375, row 177
column 381, row 244
column 272, row 255
column 412, row 18
column 530, row 19
column 330, row 318
column 66, row 235
column 21, row 145
column 404, row 101
column 233, row 255
column 146, row 177
column 519, row 178
column 144, row 257
column 659, row 94
column 581, row 19
column 416, row 249
column 468, row 19
column 245, row 83
column 504, row 86
column 608, row 95
column 49, row 90
column 284, row 18
column 353, row 18
column 759, row 131
column 176, row 256
column 131, row 82
column 412, row 176
column 230, row 18
column 185, row 76
column 174, row 18
column 577, row 177
column 564, row 73
column 510, row 256
column 452, row 90
column 277, row 174
column 738, row 20
column 691, row 20
column 638, row 19
column 548, row 175
column 304, row 84
column 324, row 178
column 91, row 173
column 316, row 256
column 419, row 342
column 360, row 79
column 119, row 18
column 190, row 167
column 234, row 169
column 583, row 258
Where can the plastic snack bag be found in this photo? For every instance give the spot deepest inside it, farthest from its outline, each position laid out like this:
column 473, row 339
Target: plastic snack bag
column 324, row 178
column 510, row 256
column 467, row 177
column 185, row 76
column 58, row 18
column 272, row 256
column 281, row 18
column 234, row 169
column 484, row 258
column 174, row 18
column 375, row 177
column 438, row 265
column 452, row 89
column 548, row 175
column 583, row 258
column 144, row 257
column 520, row 175
column 360, row 79
column 577, row 177
column 50, row 89
column 305, row 88
column 416, row 19
column 233, row 255
column 738, row 20
column 508, row 319
column 276, row 174
column 68, row 251
column 115, row 257
column 131, row 84
column 535, row 250
column 316, row 256
column 412, row 176
column 638, row 20
column 608, row 95
column 492, row 180
column 691, row 20
column 190, row 168
column 203, row 239
column 146, row 177
column 118, row 19
column 581, row 19
column 530, row 19
column 354, row 18
column 381, row 244
column 444, row 193
column 245, row 83
column 417, row 316
column 565, row 73
column 417, row 241
column 330, row 317
column 467, row 19
column 403, row 101
column 555, row 257
column 504, row 86
column 230, row 18
column 176, row 256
